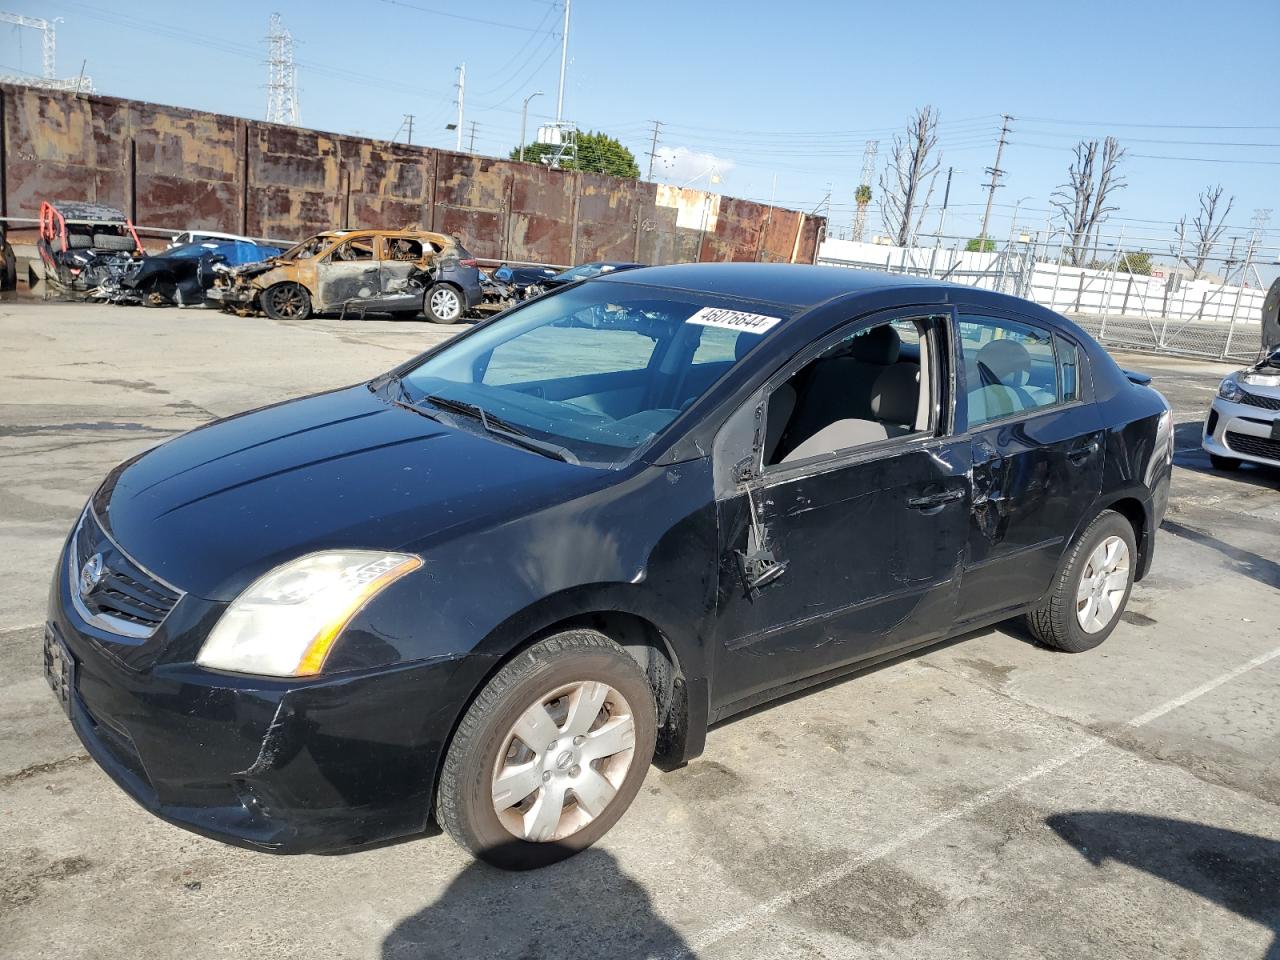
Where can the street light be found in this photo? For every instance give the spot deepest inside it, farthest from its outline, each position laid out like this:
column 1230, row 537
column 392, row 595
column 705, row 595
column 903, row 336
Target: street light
column 1013, row 224
column 524, row 115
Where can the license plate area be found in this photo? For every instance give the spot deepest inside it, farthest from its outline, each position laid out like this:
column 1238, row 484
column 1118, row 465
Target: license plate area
column 59, row 669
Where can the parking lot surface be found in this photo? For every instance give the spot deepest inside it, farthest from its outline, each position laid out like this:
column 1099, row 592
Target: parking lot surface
column 990, row 798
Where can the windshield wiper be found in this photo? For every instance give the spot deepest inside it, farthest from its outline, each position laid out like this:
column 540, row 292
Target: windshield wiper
column 502, row 428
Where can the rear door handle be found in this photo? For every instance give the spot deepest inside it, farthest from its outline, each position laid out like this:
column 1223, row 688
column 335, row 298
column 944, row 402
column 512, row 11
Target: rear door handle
column 1083, row 451
column 935, row 500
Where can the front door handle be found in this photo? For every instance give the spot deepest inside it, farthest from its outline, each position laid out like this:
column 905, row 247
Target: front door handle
column 935, row 500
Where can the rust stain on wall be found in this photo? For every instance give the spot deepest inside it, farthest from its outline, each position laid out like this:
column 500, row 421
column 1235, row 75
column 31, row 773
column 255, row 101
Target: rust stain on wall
column 177, row 168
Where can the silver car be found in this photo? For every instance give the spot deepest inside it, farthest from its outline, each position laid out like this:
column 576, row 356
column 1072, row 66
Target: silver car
column 1243, row 425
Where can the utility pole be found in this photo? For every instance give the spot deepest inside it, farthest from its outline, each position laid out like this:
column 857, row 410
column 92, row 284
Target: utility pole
column 472, row 146
column 564, row 57
column 996, row 173
column 946, row 198
column 653, row 150
column 461, row 87
column 408, row 119
column 524, row 116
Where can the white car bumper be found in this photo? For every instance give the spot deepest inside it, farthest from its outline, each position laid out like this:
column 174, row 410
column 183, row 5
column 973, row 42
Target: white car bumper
column 1243, row 431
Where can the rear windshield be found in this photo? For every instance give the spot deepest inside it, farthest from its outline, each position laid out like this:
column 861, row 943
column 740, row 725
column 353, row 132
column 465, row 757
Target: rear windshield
column 600, row 368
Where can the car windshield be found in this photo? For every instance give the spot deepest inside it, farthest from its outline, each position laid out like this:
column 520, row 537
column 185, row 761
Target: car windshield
column 584, row 271
column 598, row 369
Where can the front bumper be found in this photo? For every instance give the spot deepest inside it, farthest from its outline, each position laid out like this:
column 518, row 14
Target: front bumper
column 285, row 766
column 231, row 295
column 1242, row 431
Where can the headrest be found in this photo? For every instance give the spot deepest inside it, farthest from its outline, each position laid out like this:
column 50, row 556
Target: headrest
column 878, row 345
column 895, row 396
column 1006, row 360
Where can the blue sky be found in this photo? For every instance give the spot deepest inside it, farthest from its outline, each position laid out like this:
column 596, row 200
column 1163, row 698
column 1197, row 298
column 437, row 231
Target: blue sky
column 760, row 89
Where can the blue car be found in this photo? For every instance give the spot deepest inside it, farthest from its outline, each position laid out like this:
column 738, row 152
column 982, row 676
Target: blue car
column 182, row 274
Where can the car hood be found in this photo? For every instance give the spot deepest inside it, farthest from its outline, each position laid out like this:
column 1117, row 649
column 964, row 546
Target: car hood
column 215, row 508
column 1263, row 378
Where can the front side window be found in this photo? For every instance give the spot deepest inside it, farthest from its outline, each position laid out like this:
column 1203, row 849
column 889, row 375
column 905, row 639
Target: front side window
column 1009, row 368
column 357, row 248
column 600, row 368
column 870, row 387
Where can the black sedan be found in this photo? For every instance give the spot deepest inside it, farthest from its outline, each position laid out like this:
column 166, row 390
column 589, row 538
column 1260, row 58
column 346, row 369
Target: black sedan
column 486, row 589
column 181, row 274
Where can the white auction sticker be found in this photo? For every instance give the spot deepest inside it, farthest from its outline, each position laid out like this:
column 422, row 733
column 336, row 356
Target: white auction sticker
column 734, row 320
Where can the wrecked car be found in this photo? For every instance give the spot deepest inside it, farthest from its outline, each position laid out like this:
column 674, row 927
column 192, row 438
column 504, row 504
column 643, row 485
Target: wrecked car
column 8, row 264
column 505, row 286
column 1243, row 423
column 81, row 245
column 204, row 236
column 583, row 271
column 180, row 275
column 355, row 272
column 486, row 589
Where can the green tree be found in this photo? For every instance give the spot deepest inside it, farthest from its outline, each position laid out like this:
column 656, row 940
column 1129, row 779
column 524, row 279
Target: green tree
column 1134, row 261
column 597, row 152
column 980, row 245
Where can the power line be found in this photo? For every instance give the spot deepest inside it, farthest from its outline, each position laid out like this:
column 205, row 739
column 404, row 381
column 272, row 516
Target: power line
column 459, row 16
column 1160, row 126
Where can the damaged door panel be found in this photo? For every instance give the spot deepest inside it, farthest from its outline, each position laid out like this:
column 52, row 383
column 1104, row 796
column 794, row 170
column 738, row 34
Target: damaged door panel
column 348, row 276
column 842, row 556
column 1037, row 456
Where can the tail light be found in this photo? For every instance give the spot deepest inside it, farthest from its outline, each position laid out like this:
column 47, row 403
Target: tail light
column 469, row 263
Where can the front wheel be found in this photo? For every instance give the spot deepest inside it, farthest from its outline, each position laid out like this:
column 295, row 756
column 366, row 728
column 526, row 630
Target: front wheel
column 550, row 754
column 442, row 304
column 1090, row 589
column 286, row 301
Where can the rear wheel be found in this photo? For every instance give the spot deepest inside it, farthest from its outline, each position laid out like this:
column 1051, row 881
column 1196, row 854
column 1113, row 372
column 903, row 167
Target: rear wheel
column 1091, row 588
column 1224, row 463
column 442, row 304
column 550, row 754
column 286, row 301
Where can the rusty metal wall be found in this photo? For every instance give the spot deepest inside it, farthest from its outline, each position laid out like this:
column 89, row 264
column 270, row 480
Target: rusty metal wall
column 176, row 168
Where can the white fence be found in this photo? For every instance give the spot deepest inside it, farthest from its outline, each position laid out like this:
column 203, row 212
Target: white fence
column 1175, row 315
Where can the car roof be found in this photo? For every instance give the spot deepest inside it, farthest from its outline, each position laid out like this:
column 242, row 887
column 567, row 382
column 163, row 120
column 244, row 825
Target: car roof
column 788, row 284
column 87, row 211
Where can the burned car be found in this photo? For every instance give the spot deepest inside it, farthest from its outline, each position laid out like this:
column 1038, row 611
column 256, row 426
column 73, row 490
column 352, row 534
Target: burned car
column 355, row 272
column 82, row 244
column 505, row 286
column 488, row 588
column 1243, row 423
column 180, row 275
column 8, row 264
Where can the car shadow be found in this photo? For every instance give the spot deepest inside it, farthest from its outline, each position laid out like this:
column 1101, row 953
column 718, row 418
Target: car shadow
column 1237, row 871
column 585, row 906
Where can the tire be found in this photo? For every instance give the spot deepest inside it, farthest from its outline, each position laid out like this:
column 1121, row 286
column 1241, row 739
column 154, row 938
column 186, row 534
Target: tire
column 1057, row 621
column 8, row 268
column 158, row 293
column 573, row 667
column 443, row 303
column 286, row 301
column 1224, row 463
column 113, row 241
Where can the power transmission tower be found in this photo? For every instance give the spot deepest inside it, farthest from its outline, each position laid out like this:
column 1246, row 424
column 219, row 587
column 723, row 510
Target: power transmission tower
column 460, row 102
column 862, row 196
column 653, row 150
column 282, row 80
column 471, row 148
column 996, row 173
column 48, row 56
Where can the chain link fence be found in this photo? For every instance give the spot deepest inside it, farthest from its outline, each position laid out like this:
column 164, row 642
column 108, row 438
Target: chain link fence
column 1216, row 313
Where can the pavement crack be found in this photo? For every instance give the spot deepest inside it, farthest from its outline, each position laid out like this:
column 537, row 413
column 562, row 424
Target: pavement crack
column 41, row 769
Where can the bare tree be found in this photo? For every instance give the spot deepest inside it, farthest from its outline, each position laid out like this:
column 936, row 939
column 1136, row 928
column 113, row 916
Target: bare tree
column 1082, row 202
column 1196, row 244
column 906, row 185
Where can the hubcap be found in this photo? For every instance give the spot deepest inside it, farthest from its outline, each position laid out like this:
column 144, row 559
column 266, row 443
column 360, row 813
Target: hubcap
column 563, row 761
column 445, row 303
column 1102, row 585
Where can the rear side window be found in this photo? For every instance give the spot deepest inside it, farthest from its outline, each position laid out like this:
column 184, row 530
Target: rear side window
column 1010, row 368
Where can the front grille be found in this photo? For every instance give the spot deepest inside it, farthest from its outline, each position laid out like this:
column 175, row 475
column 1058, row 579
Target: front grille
column 125, row 596
column 1253, row 446
column 1258, row 400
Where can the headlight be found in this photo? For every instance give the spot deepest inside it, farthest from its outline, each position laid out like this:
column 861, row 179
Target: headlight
column 1228, row 389
column 285, row 622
